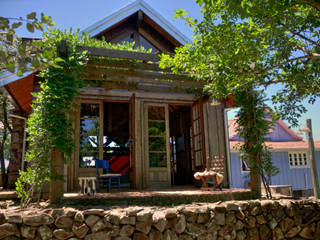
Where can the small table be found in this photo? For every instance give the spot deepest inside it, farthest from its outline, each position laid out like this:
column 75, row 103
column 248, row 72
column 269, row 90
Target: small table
column 86, row 185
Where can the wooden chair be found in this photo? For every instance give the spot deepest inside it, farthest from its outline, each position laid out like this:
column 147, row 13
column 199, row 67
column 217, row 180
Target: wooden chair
column 106, row 178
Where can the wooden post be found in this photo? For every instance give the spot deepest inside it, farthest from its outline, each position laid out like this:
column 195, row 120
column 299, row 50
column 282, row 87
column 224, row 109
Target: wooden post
column 312, row 158
column 56, row 186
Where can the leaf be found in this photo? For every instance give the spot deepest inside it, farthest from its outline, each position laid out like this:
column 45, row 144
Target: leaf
column 19, row 73
column 32, row 16
column 16, row 25
column 30, row 27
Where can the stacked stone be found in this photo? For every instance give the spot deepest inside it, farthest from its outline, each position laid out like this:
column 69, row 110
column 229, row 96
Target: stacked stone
column 265, row 219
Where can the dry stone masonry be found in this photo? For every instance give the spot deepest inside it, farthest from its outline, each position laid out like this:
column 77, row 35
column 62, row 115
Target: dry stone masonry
column 266, row 219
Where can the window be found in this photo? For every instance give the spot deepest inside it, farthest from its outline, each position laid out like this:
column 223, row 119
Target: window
column 89, row 134
column 244, row 166
column 298, row 160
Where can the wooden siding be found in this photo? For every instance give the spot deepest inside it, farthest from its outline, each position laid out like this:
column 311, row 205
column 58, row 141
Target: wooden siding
column 298, row 178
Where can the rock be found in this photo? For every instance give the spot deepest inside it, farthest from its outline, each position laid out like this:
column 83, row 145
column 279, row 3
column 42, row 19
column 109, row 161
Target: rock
column 98, row 212
column 126, row 231
column 122, row 238
column 28, row 232
column 293, row 232
column 79, row 217
column 232, row 207
column 62, row 234
column 132, row 211
column 265, row 233
column 114, row 231
column 297, row 220
column 231, row 218
column 254, row 211
column 161, row 224
column 273, row 223
column 124, row 219
column 277, row 234
column 250, row 221
column 91, row 220
column 15, row 218
column 100, row 225
column 306, row 233
column 98, row 236
column 190, row 214
column 219, row 218
column 64, row 222
column 155, row 235
column 57, row 212
column 8, row 229
column 70, row 212
column 239, row 225
column 181, row 224
column 171, row 213
column 2, row 218
column 253, row 234
column 203, row 218
column 145, row 215
column 37, row 220
column 169, row 235
column 140, row 236
column 80, row 231
column 45, row 232
column 260, row 219
column 240, row 215
column 286, row 224
column 143, row 227
column 241, row 235
column 113, row 217
column 196, row 229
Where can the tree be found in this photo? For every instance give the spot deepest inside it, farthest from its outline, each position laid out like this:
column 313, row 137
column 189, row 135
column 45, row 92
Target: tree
column 5, row 131
column 258, row 43
column 243, row 46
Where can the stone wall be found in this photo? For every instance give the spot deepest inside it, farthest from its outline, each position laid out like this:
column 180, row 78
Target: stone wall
column 265, row 219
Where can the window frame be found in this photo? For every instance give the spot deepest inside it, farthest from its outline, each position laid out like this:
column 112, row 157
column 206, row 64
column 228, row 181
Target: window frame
column 307, row 165
column 242, row 162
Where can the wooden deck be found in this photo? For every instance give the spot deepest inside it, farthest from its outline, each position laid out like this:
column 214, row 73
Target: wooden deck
column 161, row 197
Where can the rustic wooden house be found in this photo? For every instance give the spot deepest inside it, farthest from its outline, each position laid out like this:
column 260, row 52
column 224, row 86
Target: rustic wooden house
column 155, row 128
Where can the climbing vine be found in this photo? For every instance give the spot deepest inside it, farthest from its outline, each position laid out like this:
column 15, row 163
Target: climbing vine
column 253, row 125
column 50, row 123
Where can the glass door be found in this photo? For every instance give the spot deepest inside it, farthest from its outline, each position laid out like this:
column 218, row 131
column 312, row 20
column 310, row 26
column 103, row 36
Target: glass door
column 158, row 148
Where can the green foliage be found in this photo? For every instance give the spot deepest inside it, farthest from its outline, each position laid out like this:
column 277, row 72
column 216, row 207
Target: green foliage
column 245, row 43
column 253, row 126
column 17, row 55
column 50, row 123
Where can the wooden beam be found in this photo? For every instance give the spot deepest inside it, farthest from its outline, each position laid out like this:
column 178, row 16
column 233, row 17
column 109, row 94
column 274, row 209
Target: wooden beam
column 114, row 53
column 126, row 64
column 138, row 73
column 137, row 82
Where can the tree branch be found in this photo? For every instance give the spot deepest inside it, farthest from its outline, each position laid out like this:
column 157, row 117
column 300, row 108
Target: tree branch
column 305, row 38
column 313, row 4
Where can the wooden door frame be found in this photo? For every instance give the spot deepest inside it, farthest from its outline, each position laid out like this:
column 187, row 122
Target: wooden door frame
column 146, row 140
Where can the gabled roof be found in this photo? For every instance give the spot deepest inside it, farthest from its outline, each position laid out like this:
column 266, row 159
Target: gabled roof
column 128, row 10
column 280, row 133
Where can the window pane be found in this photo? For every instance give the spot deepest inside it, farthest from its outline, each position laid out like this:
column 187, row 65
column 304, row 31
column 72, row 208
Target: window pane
column 157, row 144
column 89, row 110
column 87, row 159
column 89, row 126
column 157, row 128
column 157, row 160
column 156, row 113
column 89, row 143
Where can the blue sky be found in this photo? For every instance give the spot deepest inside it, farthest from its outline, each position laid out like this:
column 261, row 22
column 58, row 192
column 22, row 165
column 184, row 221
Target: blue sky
column 82, row 13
